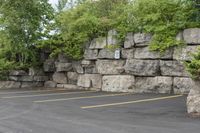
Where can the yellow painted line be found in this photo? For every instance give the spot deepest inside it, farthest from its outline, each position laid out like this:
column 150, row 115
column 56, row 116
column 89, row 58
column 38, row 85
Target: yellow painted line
column 84, row 97
column 131, row 102
column 53, row 94
column 22, row 92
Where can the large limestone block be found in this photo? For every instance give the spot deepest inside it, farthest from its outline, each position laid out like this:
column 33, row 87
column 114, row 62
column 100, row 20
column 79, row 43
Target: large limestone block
column 129, row 40
column 9, row 84
column 182, row 85
column 118, row 83
column 18, row 73
column 72, row 77
column 112, row 37
column 26, row 78
column 14, row 78
column 145, row 53
column 106, row 54
column 91, row 54
column 98, row 43
column 71, row 87
column 36, row 72
column 142, row 67
column 173, row 68
column 193, row 99
column 179, row 36
column 62, row 58
column 192, row 35
column 110, row 66
column 90, row 81
column 91, row 70
column 32, row 84
column 153, row 85
column 63, row 67
column 49, row 65
column 59, row 78
column 184, row 53
column 87, row 63
column 50, row 84
column 142, row 39
column 77, row 67
column 40, row 78
column 127, row 53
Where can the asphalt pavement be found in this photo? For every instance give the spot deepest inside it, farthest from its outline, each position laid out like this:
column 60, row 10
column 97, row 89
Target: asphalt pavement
column 65, row 111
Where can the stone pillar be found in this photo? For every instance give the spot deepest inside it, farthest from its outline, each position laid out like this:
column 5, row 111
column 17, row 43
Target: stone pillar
column 193, row 100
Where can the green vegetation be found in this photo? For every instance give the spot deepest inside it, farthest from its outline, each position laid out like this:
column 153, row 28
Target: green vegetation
column 22, row 24
column 25, row 25
column 85, row 20
column 193, row 66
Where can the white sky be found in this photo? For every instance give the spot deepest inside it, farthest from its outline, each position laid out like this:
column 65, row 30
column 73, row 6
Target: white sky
column 53, row 2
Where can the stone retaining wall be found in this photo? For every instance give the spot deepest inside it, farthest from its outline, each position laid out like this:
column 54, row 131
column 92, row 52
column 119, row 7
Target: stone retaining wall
column 23, row 79
column 138, row 69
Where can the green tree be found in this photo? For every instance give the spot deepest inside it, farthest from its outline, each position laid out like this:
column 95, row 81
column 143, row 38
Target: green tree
column 22, row 24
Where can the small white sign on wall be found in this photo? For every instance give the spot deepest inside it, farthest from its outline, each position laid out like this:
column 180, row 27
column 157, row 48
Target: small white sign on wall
column 117, row 54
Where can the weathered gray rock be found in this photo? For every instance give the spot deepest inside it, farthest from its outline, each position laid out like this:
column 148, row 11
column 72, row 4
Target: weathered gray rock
column 90, row 80
column 18, row 73
column 26, row 78
column 91, row 54
column 127, row 53
column 110, row 66
column 184, row 53
column 98, row 43
column 179, row 36
column 32, row 84
column 173, row 68
column 118, row 83
column 193, row 99
column 142, row 67
column 63, row 67
column 14, row 78
column 153, row 85
column 36, row 72
column 72, row 77
column 145, row 53
column 129, row 41
column 50, row 84
column 59, row 78
column 77, row 67
column 142, row 39
column 192, row 35
column 40, row 78
column 49, row 65
column 87, row 63
column 43, row 56
column 9, row 84
column 106, row 54
column 71, row 87
column 60, row 86
column 62, row 58
column 112, row 37
column 182, row 85
column 91, row 70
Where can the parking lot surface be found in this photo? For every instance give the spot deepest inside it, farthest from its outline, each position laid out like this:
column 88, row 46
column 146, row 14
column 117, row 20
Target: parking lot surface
column 65, row 111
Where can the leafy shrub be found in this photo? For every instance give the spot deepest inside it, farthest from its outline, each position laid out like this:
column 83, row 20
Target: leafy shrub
column 89, row 19
column 193, row 66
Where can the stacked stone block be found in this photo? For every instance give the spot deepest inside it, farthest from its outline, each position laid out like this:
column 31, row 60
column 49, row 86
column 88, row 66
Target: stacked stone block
column 23, row 79
column 139, row 69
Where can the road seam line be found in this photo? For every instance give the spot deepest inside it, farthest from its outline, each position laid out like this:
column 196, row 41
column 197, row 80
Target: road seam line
column 22, row 92
column 130, row 102
column 84, row 97
column 52, row 94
